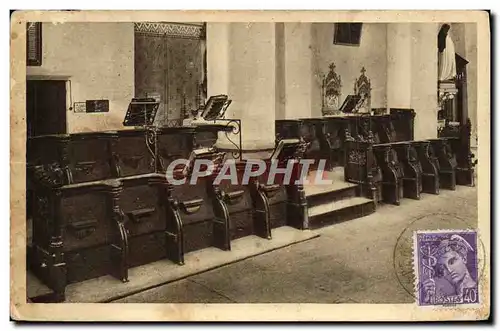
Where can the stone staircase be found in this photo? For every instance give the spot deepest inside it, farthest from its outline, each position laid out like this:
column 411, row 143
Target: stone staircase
column 336, row 202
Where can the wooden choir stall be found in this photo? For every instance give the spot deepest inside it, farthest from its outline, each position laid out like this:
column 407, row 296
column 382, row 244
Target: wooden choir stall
column 101, row 202
column 378, row 153
column 104, row 202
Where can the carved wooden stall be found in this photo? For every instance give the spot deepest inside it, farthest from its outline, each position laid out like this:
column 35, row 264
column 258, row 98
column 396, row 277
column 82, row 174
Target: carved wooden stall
column 197, row 213
column 397, row 155
column 459, row 136
column 293, row 140
column 392, row 173
column 361, row 167
column 430, row 166
column 105, row 202
column 439, row 162
column 400, row 167
column 353, row 191
column 446, row 161
column 100, row 204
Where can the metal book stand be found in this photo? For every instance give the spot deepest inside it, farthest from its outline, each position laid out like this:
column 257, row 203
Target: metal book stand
column 215, row 110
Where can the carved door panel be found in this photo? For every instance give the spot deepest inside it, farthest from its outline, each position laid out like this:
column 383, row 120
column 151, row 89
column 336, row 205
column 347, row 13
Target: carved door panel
column 185, row 75
column 151, row 68
column 169, row 64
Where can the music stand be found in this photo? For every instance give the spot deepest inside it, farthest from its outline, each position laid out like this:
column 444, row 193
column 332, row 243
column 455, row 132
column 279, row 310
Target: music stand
column 350, row 103
column 214, row 110
column 216, row 107
column 141, row 112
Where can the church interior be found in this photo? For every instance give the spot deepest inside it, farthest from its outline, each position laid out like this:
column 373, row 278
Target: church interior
column 391, row 109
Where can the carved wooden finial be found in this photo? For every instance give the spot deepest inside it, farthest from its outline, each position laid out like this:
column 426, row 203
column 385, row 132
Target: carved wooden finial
column 371, row 137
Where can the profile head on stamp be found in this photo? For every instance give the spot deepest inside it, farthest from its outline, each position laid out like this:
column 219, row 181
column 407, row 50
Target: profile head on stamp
column 447, row 267
column 452, row 260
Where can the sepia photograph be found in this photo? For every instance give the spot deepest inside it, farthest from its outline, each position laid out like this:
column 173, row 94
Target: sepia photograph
column 244, row 160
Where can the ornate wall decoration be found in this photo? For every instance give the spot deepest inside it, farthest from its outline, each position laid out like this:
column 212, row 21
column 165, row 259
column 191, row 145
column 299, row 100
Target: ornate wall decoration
column 173, row 30
column 331, row 91
column 362, row 87
column 170, row 63
column 34, row 44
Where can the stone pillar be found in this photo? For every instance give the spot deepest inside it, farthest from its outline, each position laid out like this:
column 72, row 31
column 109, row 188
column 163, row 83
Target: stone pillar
column 217, row 58
column 424, row 77
column 412, row 73
column 471, row 56
column 250, row 64
column 281, row 69
column 399, row 65
column 298, row 70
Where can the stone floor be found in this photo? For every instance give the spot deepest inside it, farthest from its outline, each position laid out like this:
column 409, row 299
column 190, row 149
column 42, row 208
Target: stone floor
column 366, row 260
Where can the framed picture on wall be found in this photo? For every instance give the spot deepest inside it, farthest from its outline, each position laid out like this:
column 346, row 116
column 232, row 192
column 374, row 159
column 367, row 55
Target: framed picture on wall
column 34, row 44
column 347, row 34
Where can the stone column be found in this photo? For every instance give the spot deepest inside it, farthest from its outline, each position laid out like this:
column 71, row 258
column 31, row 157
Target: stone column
column 217, row 58
column 297, row 62
column 250, row 67
column 399, row 65
column 424, row 77
column 412, row 73
column 471, row 56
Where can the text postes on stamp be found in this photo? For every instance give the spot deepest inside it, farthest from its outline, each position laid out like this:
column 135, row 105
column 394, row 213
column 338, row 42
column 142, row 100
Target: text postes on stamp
column 446, row 266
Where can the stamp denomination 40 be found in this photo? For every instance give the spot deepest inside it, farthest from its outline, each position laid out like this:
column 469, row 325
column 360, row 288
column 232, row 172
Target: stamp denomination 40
column 446, row 266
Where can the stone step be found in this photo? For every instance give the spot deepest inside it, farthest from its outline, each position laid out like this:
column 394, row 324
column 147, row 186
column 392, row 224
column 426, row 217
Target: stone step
column 335, row 175
column 311, row 189
column 339, row 211
column 321, row 194
column 338, row 189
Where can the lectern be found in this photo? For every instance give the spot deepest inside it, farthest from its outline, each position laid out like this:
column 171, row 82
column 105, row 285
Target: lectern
column 141, row 112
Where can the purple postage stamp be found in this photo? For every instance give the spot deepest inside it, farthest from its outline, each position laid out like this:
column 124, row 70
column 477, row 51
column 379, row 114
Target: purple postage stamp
column 446, row 267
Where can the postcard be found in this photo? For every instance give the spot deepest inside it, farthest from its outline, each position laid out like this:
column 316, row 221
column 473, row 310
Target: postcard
column 250, row 165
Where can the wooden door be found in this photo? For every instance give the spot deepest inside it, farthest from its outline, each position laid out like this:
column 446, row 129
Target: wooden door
column 45, row 107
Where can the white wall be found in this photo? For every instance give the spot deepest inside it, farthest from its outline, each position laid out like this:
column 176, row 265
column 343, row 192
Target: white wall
column 471, row 56
column 464, row 36
column 252, row 82
column 298, row 68
column 349, row 60
column 424, row 77
column 98, row 58
column 457, row 34
column 399, row 63
column 241, row 62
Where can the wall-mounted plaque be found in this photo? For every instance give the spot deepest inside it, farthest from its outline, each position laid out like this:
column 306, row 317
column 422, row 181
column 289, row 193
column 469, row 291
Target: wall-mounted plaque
column 80, row 107
column 34, row 43
column 97, row 106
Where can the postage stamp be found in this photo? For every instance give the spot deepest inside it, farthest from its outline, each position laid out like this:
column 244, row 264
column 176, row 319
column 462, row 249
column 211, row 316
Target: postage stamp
column 446, row 267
